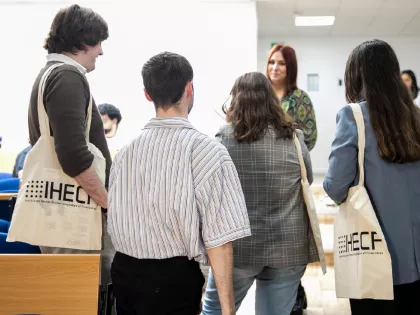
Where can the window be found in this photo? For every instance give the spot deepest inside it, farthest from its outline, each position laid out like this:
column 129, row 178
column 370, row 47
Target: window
column 313, row 82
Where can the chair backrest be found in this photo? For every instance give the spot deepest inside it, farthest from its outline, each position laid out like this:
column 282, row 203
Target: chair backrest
column 49, row 284
column 16, row 247
column 9, row 185
column 4, row 226
column 5, row 205
column 5, row 175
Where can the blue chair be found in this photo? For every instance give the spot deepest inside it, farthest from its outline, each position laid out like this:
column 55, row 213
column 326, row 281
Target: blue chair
column 7, row 205
column 9, row 185
column 4, row 226
column 5, row 210
column 5, row 175
column 16, row 247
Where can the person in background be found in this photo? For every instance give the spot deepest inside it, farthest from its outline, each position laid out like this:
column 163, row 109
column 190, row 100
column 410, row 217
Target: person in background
column 74, row 40
column 259, row 138
column 392, row 166
column 20, row 160
column 282, row 70
column 175, row 201
column 410, row 82
column 111, row 117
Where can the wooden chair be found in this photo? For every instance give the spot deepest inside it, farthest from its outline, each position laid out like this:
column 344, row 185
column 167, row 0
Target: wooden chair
column 49, row 284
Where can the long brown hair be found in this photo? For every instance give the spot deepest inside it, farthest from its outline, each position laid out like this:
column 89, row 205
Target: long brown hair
column 373, row 74
column 254, row 108
column 289, row 56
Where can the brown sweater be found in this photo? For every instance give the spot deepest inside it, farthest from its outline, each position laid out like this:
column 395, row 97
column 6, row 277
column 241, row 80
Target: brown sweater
column 66, row 99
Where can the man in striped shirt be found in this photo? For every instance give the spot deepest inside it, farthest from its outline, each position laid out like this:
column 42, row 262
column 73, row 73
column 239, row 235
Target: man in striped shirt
column 175, row 201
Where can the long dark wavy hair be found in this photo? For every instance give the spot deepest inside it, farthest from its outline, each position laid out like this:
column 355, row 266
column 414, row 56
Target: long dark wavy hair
column 254, row 108
column 373, row 74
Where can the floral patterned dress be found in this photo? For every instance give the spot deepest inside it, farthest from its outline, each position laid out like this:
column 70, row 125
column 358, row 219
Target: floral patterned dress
column 299, row 106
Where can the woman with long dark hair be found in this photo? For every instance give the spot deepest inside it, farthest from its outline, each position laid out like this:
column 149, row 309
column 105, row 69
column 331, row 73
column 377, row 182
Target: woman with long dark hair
column 259, row 138
column 410, row 82
column 282, row 70
column 392, row 166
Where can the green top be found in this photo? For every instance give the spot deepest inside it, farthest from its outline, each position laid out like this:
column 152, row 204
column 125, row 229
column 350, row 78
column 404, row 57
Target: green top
column 299, row 106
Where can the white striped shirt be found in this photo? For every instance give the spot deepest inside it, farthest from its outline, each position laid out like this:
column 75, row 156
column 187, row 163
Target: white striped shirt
column 174, row 192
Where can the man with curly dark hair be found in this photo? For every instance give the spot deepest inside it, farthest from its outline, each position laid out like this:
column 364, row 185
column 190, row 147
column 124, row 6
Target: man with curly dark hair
column 73, row 44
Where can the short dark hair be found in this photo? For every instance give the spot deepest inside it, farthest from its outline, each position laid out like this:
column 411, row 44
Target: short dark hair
column 255, row 108
column 373, row 74
column 165, row 77
column 110, row 110
column 74, row 28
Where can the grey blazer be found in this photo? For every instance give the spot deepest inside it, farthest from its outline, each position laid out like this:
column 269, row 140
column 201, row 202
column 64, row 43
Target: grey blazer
column 394, row 190
column 269, row 173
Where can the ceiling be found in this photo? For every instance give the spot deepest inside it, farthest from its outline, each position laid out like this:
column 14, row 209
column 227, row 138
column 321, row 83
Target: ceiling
column 353, row 17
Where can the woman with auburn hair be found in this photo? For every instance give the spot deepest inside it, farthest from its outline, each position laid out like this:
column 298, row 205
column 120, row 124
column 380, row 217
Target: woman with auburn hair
column 391, row 164
column 259, row 138
column 282, row 69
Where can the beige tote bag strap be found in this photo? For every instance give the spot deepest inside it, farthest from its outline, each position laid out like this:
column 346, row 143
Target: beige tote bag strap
column 310, row 205
column 300, row 156
column 44, row 123
column 358, row 116
column 88, row 119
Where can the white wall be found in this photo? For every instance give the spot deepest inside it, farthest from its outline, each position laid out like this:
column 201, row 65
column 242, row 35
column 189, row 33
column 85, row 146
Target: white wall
column 327, row 56
column 211, row 35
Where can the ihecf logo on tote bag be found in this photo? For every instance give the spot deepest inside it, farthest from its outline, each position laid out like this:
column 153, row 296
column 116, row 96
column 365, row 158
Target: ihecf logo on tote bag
column 55, row 192
column 360, row 243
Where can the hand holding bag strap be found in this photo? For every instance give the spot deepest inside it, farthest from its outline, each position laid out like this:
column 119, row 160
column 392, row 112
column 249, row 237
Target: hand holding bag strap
column 358, row 116
column 44, row 123
column 300, row 156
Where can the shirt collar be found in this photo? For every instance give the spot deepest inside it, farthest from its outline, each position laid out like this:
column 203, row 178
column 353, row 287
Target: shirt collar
column 169, row 122
column 66, row 60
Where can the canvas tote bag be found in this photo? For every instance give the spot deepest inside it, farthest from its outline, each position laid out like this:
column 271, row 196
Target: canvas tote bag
column 51, row 208
column 310, row 205
column 362, row 261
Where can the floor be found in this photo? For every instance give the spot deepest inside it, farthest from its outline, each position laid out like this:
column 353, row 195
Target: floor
column 320, row 290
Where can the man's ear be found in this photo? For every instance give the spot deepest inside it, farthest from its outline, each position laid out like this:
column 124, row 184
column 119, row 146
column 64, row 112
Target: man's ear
column 147, row 96
column 190, row 89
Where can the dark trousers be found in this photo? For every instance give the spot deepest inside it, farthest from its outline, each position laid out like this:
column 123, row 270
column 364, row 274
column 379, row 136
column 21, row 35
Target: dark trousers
column 153, row 287
column 406, row 301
